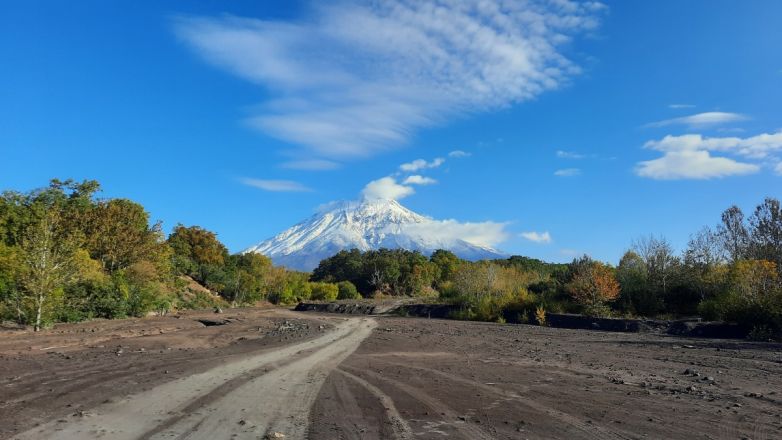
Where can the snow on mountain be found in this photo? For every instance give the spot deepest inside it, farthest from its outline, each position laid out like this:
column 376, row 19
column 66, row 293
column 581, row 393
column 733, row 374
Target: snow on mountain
column 364, row 225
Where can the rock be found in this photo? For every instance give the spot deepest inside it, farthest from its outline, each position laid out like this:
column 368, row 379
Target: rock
column 272, row 435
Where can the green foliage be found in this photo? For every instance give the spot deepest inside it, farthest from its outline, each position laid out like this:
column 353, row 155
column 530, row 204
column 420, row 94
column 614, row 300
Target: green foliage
column 396, row 272
column 199, row 254
column 321, row 291
column 247, row 277
column 289, row 287
column 347, row 290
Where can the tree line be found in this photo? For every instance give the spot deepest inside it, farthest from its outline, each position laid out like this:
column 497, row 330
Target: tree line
column 729, row 272
column 67, row 255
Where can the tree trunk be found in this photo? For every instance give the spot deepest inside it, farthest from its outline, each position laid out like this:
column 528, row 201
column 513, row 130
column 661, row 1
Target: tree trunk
column 39, row 307
column 19, row 313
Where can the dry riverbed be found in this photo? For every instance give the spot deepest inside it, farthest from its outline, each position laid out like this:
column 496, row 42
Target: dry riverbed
column 307, row 375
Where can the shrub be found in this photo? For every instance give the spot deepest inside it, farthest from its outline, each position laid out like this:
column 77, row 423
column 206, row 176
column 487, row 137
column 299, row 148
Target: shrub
column 540, row 316
column 324, row 291
column 347, row 290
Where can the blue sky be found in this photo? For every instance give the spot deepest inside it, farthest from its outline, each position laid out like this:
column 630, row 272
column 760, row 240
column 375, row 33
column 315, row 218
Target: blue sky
column 583, row 125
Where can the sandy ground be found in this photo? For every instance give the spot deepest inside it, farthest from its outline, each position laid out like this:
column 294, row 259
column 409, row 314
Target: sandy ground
column 336, row 377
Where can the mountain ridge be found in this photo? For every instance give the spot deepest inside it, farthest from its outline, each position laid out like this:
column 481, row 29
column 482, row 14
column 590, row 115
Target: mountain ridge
column 367, row 224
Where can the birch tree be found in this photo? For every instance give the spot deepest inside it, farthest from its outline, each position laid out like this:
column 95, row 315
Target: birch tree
column 47, row 253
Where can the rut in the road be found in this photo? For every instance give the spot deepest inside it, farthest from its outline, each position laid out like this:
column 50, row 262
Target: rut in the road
column 269, row 392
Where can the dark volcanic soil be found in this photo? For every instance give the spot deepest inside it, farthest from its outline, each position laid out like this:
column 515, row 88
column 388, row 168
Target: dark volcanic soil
column 447, row 379
column 74, row 367
column 415, row 378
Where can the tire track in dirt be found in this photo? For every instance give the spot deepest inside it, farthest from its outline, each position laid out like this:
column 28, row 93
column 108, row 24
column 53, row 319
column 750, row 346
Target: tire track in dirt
column 592, row 431
column 466, row 430
column 241, row 399
column 400, row 427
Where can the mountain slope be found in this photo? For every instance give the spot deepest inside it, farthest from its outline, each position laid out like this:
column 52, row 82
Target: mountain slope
column 364, row 225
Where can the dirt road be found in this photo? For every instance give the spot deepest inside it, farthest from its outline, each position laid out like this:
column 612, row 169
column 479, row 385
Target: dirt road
column 250, row 373
column 248, row 398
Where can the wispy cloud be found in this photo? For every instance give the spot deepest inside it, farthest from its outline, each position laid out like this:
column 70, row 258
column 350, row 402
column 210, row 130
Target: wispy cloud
column 678, row 106
column 459, row 153
column 568, row 172
column 778, row 169
column 690, row 156
column 386, row 188
column 310, row 164
column 275, row 185
column 569, row 155
column 355, row 78
column 537, row 237
column 419, row 180
column 421, row 164
column 701, row 120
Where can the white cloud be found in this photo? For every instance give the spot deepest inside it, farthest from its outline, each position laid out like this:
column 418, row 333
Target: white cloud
column 386, row 188
column 421, row 164
column 690, row 156
column 569, row 155
column 778, row 168
column 537, row 237
column 692, row 164
column 677, row 106
column 481, row 233
column 310, row 164
column 459, row 153
column 355, row 78
column 756, row 147
column 701, row 120
column 275, row 185
column 419, row 180
column 567, row 172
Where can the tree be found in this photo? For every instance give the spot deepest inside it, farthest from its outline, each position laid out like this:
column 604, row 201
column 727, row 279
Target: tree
column 755, row 280
column 657, row 254
column 248, row 276
column 733, row 234
column 704, row 249
column 636, row 296
column 10, row 268
column 119, row 235
column 446, row 262
column 766, row 232
column 48, row 253
column 197, row 252
column 592, row 286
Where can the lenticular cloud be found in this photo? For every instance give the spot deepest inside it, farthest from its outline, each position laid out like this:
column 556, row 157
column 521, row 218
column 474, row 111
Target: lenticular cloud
column 354, row 78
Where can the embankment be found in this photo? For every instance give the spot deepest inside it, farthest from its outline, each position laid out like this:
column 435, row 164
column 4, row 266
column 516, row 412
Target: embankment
column 689, row 327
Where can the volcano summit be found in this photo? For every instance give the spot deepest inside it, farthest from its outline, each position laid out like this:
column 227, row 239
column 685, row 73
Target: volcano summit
column 366, row 225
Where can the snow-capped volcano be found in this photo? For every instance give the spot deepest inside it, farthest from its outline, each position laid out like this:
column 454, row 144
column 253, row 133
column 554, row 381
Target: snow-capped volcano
column 364, row 225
